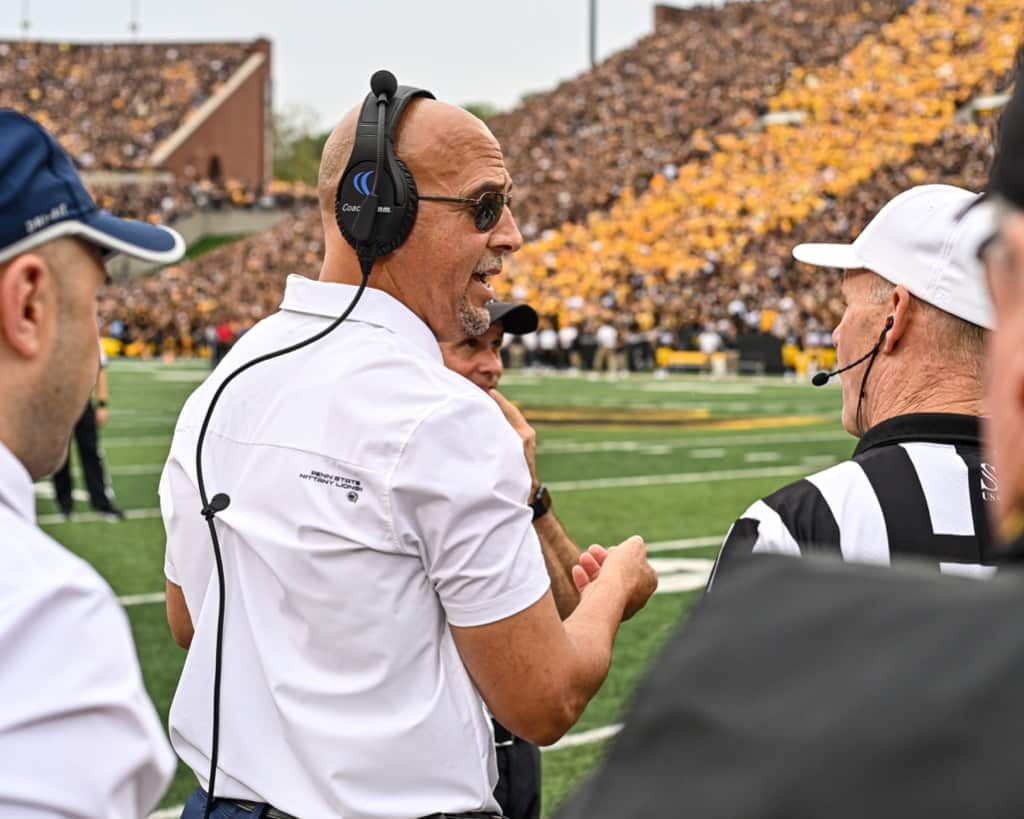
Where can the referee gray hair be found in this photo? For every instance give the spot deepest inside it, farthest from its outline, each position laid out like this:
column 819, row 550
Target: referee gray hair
column 961, row 341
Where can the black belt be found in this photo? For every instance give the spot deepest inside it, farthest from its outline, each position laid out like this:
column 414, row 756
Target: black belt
column 474, row 815
column 271, row 812
column 503, row 738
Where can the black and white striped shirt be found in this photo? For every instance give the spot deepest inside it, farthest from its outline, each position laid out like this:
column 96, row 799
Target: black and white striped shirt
column 915, row 486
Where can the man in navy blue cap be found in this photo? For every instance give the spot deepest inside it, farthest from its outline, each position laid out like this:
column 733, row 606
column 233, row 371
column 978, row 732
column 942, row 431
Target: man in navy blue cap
column 78, row 734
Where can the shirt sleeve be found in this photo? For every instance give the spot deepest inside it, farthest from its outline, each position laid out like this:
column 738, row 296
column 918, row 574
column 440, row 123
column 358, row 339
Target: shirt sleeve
column 459, row 496
column 78, row 734
column 760, row 530
column 164, row 491
column 188, row 556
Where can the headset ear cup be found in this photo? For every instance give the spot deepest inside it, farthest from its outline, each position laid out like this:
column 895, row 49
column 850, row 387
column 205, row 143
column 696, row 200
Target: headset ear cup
column 390, row 244
column 388, row 239
column 345, row 232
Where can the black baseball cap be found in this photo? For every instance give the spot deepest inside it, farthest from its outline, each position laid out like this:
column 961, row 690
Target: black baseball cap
column 42, row 198
column 517, row 319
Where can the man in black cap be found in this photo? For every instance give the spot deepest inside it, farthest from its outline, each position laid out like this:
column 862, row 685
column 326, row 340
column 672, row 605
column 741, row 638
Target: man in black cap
column 78, row 734
column 478, row 358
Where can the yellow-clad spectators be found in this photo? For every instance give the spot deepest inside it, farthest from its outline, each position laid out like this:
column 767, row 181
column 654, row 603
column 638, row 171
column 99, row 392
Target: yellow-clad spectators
column 897, row 89
column 649, row 108
column 703, row 259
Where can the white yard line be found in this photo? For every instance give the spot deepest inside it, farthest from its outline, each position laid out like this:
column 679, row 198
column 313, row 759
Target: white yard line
column 96, row 517
column 673, row 572
column 586, row 447
column 659, row 446
column 810, row 463
column 678, row 478
column 761, row 457
column 111, row 441
column 585, row 737
column 685, row 543
column 141, row 599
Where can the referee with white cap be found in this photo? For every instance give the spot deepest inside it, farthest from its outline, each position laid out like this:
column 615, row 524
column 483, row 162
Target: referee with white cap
column 78, row 734
column 912, row 338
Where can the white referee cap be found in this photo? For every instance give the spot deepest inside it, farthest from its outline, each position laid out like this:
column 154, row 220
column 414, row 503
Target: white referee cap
column 924, row 240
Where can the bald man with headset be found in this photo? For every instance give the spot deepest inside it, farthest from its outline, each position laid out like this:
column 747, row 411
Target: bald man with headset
column 381, row 571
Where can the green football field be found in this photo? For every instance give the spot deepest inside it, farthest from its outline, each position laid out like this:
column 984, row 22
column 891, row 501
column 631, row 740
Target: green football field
column 675, row 460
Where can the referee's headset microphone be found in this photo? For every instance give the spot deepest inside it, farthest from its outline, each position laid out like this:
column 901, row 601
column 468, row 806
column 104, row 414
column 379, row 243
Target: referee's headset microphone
column 375, row 208
column 822, row 378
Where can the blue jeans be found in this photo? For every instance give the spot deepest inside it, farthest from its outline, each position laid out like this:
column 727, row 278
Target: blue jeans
column 196, row 804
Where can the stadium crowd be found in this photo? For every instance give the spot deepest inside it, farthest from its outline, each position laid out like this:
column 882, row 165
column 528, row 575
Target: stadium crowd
column 168, row 201
column 79, row 93
column 210, row 301
column 652, row 107
column 205, row 302
column 697, row 243
column 702, row 257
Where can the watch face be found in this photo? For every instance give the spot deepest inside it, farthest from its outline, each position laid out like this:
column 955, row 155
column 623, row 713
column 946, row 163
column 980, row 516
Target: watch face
column 541, row 502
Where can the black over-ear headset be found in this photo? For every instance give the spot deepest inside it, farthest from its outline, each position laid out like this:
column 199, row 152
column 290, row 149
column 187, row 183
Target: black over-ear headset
column 375, row 209
column 375, row 206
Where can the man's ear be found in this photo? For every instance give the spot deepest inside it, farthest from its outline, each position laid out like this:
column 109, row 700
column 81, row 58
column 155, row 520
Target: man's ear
column 27, row 293
column 899, row 311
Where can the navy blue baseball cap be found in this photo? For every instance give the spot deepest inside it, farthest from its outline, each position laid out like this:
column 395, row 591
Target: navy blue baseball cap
column 42, row 198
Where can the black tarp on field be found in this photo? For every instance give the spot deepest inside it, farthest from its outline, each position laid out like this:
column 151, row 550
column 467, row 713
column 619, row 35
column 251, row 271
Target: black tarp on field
column 810, row 688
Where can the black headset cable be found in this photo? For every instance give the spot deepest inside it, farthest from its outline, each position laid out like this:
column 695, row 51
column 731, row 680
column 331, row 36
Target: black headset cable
column 220, row 501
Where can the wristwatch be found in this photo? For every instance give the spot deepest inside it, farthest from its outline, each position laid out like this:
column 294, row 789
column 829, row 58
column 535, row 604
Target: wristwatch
column 541, row 503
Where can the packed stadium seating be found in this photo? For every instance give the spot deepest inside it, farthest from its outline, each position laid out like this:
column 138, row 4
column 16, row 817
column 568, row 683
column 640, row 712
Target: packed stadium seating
column 651, row 107
column 169, row 201
column 704, row 250
column 79, row 92
column 225, row 291
column 685, row 247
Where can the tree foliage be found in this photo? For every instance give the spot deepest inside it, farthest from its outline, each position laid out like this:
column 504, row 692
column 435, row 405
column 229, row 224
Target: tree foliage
column 482, row 110
column 298, row 143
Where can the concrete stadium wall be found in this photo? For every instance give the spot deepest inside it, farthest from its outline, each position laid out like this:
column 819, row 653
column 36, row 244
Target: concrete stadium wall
column 236, row 140
column 207, row 223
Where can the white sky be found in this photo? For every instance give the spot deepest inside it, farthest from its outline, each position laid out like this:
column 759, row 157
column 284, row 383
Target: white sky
column 326, row 50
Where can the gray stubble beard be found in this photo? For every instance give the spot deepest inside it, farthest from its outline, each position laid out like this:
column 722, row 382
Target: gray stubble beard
column 475, row 321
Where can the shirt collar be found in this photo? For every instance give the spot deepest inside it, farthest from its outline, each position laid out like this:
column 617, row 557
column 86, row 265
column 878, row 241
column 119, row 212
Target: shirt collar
column 330, row 299
column 16, row 486
column 934, row 427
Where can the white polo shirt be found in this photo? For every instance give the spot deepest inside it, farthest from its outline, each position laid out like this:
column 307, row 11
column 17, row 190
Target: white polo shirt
column 376, row 498
column 78, row 734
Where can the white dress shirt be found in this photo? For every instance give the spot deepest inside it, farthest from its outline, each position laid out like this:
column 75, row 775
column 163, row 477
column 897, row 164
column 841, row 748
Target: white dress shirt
column 78, row 735
column 376, row 499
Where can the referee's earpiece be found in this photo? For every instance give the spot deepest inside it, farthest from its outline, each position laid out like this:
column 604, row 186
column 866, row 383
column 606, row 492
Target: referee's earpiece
column 375, row 206
column 821, row 379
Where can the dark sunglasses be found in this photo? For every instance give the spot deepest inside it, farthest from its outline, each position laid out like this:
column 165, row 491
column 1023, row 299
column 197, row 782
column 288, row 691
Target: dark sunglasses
column 487, row 208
